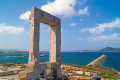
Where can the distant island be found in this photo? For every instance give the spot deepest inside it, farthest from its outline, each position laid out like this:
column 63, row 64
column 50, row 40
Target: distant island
column 106, row 49
column 109, row 49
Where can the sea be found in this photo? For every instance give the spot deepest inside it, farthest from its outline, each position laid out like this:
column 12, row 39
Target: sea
column 78, row 58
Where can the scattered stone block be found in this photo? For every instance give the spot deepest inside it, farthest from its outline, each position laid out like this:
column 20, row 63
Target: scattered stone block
column 70, row 74
column 79, row 72
column 4, row 68
column 94, row 74
column 102, row 78
column 88, row 73
column 62, row 67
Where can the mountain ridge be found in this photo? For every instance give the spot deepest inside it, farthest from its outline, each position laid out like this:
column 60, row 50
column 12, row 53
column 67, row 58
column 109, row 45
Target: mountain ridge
column 106, row 49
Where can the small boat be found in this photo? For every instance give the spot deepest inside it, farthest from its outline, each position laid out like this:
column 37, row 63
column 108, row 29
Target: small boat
column 42, row 55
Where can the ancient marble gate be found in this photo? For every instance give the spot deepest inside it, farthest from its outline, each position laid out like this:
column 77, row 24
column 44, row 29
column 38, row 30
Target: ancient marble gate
column 36, row 70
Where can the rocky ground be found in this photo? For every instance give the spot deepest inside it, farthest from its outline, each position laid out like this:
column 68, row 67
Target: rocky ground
column 9, row 71
column 75, row 72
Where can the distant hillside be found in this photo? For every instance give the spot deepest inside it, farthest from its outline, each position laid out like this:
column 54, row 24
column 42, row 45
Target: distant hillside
column 11, row 51
column 2, row 50
column 109, row 49
column 7, row 51
column 106, row 49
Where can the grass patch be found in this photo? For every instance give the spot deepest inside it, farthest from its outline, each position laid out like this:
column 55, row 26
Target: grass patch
column 105, row 72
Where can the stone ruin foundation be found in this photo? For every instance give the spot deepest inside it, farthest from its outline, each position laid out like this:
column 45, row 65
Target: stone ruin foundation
column 48, row 70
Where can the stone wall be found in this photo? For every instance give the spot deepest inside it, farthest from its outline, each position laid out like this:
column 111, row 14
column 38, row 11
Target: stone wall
column 97, row 62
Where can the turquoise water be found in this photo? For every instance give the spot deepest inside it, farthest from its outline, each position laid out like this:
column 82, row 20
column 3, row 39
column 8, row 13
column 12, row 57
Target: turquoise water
column 79, row 58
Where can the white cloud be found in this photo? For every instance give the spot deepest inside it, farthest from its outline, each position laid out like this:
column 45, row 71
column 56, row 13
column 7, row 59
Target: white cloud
column 57, row 7
column 107, row 38
column 79, row 38
column 60, row 7
column 84, row 11
column 73, row 24
column 103, row 27
column 10, row 29
column 25, row 16
column 65, row 8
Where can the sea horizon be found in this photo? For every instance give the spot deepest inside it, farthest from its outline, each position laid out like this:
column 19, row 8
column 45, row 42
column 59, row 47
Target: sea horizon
column 76, row 58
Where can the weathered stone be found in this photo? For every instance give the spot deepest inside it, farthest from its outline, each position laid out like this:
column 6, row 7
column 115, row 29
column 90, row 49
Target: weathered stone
column 8, row 73
column 36, row 70
column 43, row 79
column 43, row 66
column 94, row 74
column 4, row 68
column 45, row 74
column 79, row 72
column 59, row 73
column 70, row 74
column 17, row 71
column 49, row 71
column 88, row 73
column 51, row 65
column 1, row 73
column 102, row 78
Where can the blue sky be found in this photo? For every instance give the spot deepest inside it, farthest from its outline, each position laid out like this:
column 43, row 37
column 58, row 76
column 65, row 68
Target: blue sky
column 86, row 24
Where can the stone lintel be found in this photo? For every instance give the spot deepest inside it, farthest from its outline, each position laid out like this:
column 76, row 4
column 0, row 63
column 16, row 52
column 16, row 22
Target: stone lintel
column 44, row 17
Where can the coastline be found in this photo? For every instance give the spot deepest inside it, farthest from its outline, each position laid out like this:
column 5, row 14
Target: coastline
column 78, row 58
column 27, row 52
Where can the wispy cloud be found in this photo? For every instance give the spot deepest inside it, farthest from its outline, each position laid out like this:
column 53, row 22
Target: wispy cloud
column 104, row 27
column 10, row 29
column 25, row 16
column 73, row 24
column 84, row 11
column 107, row 38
